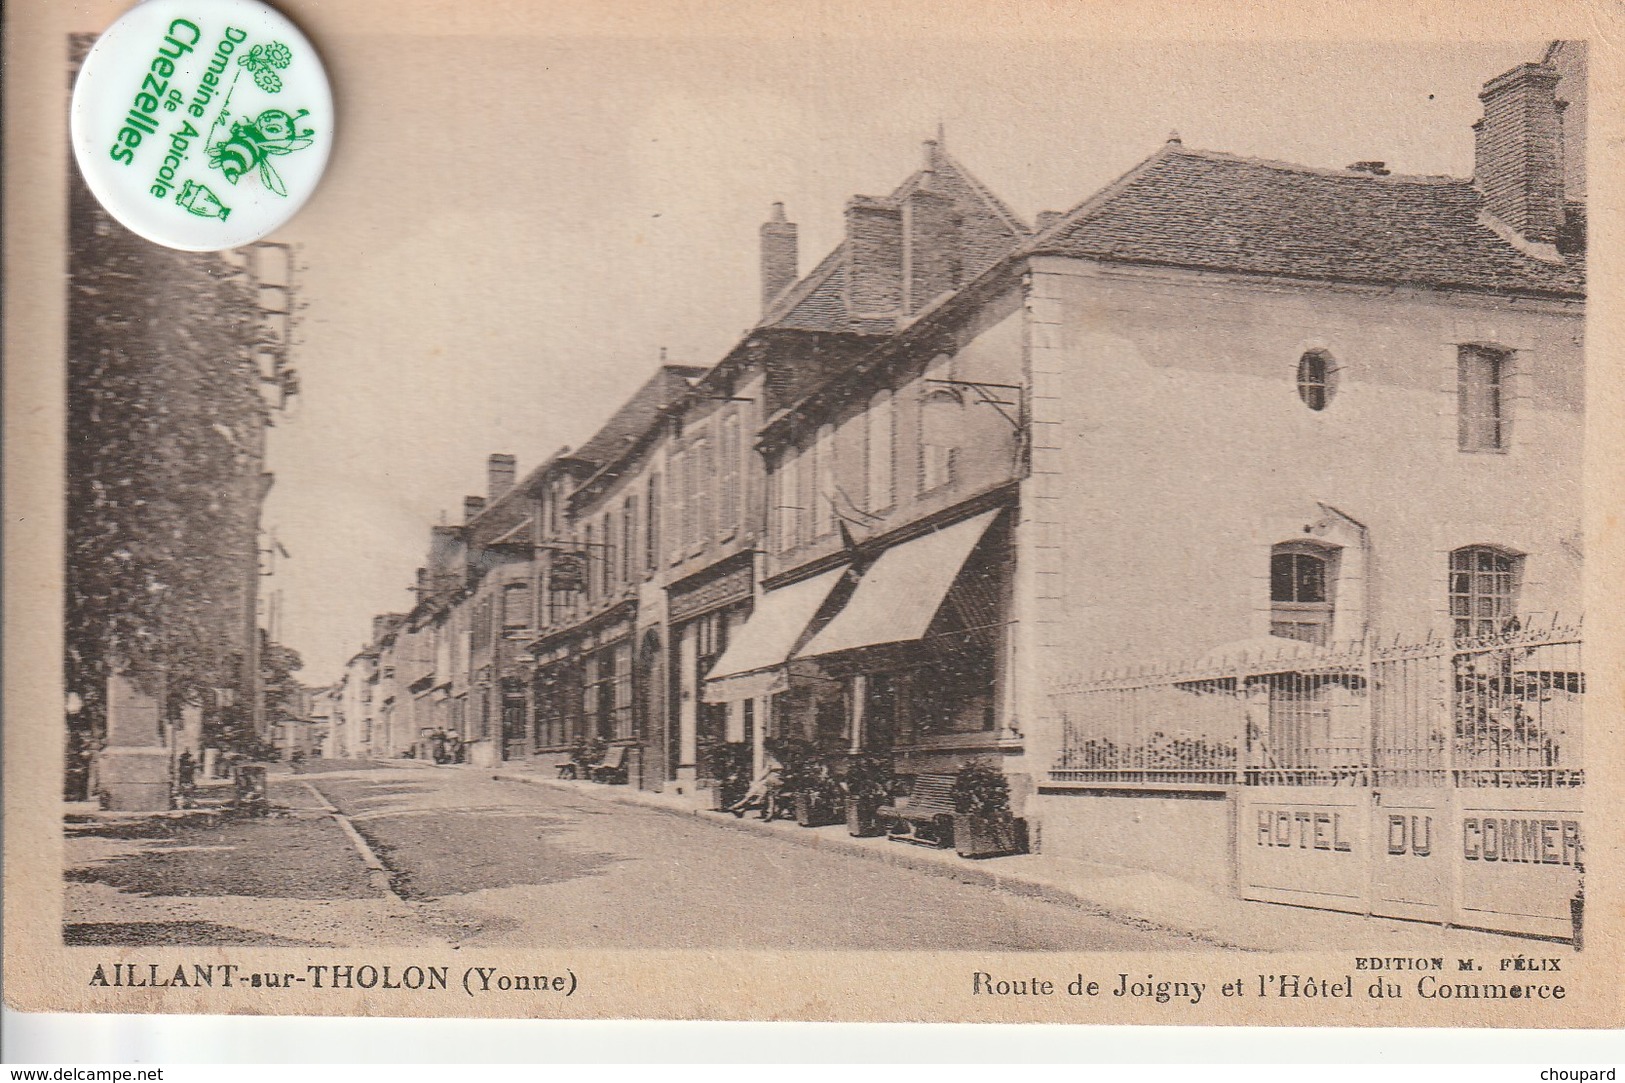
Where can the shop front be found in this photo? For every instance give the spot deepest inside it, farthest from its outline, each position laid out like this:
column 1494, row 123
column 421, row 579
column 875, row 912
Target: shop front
column 705, row 613
column 754, row 682
column 917, row 648
column 583, row 687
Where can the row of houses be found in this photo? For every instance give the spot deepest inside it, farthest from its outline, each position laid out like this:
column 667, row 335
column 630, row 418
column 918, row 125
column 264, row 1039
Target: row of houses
column 1253, row 415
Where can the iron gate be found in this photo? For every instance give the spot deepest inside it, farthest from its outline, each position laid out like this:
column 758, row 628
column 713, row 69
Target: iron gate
column 1436, row 780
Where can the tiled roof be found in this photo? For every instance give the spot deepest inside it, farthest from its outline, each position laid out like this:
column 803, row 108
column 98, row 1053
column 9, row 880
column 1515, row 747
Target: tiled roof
column 639, row 412
column 1202, row 209
column 988, row 230
column 817, row 302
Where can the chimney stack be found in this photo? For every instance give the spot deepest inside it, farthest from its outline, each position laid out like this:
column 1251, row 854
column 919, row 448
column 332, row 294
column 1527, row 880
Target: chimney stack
column 500, row 471
column 780, row 259
column 472, row 506
column 1518, row 164
column 930, row 230
column 874, row 258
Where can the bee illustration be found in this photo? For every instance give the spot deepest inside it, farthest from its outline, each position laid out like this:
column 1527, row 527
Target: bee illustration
column 255, row 142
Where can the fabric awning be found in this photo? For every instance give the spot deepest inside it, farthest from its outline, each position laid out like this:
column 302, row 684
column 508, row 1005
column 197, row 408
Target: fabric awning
column 753, row 664
column 762, row 682
column 899, row 595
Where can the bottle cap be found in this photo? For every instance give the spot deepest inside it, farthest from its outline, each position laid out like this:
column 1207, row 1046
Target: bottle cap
column 202, row 124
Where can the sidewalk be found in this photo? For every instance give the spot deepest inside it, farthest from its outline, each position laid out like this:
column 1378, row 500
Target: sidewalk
column 203, row 876
column 1133, row 896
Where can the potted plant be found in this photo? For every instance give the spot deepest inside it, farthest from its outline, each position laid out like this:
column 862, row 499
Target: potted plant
column 822, row 803
column 983, row 826
column 727, row 765
column 808, row 783
column 866, row 785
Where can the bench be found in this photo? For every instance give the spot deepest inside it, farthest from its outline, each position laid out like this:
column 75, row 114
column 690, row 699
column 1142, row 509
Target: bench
column 612, row 768
column 926, row 815
column 566, row 769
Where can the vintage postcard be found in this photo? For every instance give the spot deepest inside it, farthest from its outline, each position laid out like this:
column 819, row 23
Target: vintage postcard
column 1025, row 512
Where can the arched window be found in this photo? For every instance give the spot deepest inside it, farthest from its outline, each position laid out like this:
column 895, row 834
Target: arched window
column 1302, row 576
column 1483, row 590
column 1315, row 379
column 940, row 422
column 879, row 444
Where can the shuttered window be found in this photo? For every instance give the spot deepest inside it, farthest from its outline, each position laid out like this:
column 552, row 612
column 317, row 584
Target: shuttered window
column 1481, row 423
column 879, row 447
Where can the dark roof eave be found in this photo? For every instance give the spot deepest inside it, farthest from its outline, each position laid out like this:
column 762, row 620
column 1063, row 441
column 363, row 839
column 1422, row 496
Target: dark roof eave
column 1353, row 280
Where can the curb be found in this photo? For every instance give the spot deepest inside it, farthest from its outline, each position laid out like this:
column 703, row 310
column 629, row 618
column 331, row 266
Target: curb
column 967, row 872
column 377, row 872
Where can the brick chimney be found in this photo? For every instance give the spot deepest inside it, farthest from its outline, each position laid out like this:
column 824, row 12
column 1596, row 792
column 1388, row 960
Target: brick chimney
column 472, row 506
column 780, row 258
column 874, row 258
column 930, row 230
column 500, row 471
column 1518, row 162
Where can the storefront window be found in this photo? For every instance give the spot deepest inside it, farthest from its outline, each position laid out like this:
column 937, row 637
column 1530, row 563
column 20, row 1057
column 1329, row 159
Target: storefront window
column 621, row 697
column 558, row 703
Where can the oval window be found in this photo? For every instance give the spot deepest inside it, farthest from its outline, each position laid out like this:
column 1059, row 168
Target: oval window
column 1315, row 379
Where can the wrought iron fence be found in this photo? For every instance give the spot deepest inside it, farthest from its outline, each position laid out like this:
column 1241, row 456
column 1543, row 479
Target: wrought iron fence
column 1495, row 711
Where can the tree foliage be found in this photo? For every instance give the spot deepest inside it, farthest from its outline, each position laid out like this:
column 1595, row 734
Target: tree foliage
column 165, row 440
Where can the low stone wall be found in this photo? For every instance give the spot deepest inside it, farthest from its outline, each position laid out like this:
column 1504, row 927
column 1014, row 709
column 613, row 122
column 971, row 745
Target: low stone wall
column 1188, row 834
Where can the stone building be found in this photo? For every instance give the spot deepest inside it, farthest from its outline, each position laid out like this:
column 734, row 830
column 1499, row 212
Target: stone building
column 598, row 545
column 1243, row 494
column 886, row 470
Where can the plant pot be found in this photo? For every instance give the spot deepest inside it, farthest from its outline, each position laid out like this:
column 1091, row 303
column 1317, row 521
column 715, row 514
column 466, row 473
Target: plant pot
column 813, row 810
column 985, row 836
column 862, row 817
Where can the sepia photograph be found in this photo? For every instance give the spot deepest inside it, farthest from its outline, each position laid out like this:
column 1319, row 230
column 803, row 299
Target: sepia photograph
column 1092, row 529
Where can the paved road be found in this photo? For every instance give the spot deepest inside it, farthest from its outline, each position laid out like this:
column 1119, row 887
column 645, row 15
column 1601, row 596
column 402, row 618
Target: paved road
column 494, row 863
